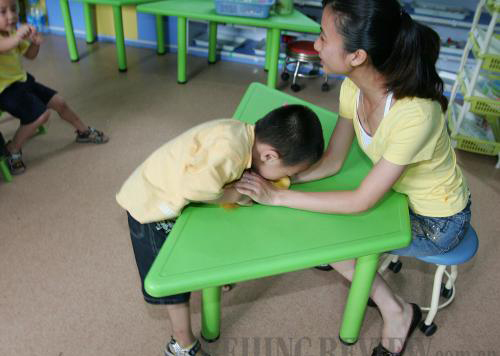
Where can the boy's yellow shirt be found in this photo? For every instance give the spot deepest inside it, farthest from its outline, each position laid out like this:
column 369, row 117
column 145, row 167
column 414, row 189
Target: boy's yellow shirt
column 11, row 68
column 194, row 166
column 414, row 133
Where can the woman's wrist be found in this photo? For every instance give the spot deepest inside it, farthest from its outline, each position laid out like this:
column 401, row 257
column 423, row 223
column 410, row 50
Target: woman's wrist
column 280, row 197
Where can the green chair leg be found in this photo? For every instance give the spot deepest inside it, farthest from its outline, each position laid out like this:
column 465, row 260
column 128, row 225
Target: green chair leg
column 41, row 130
column 5, row 170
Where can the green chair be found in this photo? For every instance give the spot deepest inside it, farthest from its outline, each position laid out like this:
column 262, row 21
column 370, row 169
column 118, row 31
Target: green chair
column 4, row 167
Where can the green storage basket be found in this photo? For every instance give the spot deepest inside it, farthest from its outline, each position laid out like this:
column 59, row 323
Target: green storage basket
column 471, row 144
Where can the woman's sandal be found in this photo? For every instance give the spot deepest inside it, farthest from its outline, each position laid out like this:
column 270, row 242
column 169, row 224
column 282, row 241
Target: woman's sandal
column 379, row 350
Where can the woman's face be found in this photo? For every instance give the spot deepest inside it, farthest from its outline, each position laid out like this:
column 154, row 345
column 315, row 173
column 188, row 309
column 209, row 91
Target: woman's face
column 330, row 45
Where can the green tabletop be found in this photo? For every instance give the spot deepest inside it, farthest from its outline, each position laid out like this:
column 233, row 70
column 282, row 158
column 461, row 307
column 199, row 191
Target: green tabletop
column 205, row 10
column 210, row 246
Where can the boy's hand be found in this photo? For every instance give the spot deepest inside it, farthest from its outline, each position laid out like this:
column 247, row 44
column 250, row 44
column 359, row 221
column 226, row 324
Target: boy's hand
column 245, row 201
column 24, row 32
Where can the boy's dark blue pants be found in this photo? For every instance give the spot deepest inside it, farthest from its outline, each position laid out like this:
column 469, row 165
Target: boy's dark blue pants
column 147, row 240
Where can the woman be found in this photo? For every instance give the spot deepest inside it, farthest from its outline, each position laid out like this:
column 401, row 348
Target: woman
column 392, row 102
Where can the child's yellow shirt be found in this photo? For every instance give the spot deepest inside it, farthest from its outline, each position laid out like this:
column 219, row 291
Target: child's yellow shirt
column 194, row 166
column 11, row 69
column 414, row 133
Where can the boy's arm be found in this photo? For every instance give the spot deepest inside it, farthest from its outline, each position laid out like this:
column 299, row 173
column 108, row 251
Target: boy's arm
column 34, row 48
column 8, row 43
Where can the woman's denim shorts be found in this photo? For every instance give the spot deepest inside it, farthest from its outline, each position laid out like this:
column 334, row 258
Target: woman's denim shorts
column 435, row 236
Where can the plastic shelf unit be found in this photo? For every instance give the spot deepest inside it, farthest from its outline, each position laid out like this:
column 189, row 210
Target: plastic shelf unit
column 485, row 47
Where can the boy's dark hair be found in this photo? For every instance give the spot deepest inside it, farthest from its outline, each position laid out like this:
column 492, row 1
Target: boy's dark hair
column 403, row 50
column 294, row 131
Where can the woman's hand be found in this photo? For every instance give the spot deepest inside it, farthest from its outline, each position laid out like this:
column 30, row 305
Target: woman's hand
column 259, row 189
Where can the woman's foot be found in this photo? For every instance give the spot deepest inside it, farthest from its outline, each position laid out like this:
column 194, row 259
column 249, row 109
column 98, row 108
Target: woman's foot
column 396, row 332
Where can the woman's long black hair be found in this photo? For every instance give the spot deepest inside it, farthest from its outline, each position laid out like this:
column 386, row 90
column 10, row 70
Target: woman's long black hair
column 402, row 50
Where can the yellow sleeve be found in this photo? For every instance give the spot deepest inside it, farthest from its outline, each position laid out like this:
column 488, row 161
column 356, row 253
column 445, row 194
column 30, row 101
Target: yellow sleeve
column 413, row 139
column 206, row 173
column 23, row 46
column 347, row 100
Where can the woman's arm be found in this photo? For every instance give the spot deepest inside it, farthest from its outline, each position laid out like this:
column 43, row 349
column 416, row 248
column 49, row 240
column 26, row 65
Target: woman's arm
column 334, row 156
column 378, row 182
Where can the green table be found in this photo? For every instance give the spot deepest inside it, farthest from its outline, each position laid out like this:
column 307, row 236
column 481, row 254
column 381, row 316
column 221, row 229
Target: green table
column 205, row 10
column 210, row 247
column 90, row 28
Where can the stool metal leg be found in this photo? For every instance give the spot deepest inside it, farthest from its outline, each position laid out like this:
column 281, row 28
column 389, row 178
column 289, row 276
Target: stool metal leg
column 296, row 72
column 436, row 292
column 450, row 283
column 389, row 262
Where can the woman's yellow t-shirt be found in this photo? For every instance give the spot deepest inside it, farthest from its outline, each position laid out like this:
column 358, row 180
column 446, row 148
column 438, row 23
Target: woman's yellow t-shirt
column 414, row 133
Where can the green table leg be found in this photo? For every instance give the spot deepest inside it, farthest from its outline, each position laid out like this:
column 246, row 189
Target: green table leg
column 5, row 170
column 181, row 50
column 160, row 35
column 272, row 75
column 68, row 28
column 210, row 313
column 89, row 23
column 120, row 39
column 212, row 42
column 268, row 49
column 361, row 286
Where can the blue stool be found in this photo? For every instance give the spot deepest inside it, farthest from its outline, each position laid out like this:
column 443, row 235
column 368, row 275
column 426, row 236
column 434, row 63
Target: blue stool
column 460, row 254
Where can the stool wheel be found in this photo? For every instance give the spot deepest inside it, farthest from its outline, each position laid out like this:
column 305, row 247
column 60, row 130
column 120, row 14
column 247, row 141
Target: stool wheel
column 285, row 76
column 295, row 87
column 445, row 292
column 325, row 87
column 395, row 266
column 428, row 330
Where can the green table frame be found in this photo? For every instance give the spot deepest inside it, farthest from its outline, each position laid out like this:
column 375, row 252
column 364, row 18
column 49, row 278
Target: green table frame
column 210, row 247
column 205, row 10
column 90, row 27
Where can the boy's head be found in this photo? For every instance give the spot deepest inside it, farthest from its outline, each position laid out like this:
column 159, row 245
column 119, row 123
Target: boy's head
column 8, row 15
column 288, row 140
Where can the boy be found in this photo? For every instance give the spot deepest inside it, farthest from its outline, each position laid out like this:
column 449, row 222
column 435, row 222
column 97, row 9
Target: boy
column 21, row 95
column 199, row 165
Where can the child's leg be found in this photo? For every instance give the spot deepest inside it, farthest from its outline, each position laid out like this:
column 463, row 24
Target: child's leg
column 24, row 132
column 147, row 240
column 396, row 313
column 180, row 318
column 61, row 107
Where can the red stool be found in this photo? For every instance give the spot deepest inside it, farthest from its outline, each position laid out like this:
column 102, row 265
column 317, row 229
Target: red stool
column 302, row 53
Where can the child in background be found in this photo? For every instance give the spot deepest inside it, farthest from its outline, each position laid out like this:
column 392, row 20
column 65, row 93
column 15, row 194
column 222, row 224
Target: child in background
column 21, row 95
column 200, row 165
